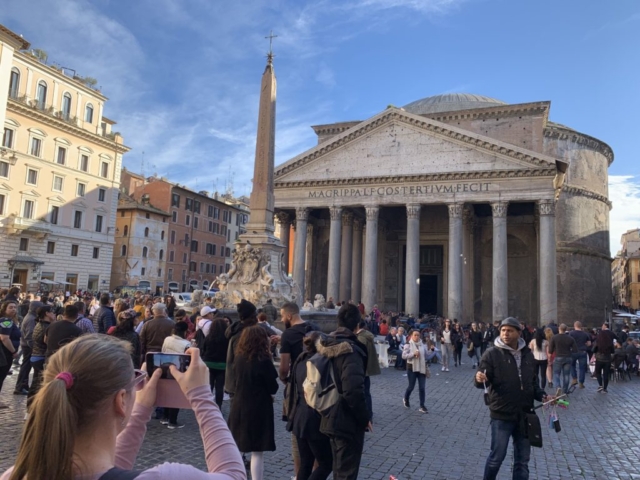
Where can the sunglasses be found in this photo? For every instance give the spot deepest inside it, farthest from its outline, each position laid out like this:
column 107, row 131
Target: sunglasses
column 139, row 376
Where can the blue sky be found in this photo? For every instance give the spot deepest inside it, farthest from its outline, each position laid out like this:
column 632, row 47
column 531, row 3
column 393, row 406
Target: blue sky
column 183, row 75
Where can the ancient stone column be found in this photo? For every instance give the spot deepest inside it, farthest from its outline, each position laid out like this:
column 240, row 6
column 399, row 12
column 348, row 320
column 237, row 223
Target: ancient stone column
column 356, row 262
column 370, row 276
column 467, row 264
column 335, row 239
column 284, row 219
column 547, row 253
column 500, row 271
column 346, row 255
column 300, row 250
column 454, row 308
column 412, row 274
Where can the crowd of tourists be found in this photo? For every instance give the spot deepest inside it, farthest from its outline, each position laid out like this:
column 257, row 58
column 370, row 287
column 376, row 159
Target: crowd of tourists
column 70, row 341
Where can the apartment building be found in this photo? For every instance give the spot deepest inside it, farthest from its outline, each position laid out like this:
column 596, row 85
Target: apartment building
column 625, row 271
column 239, row 218
column 198, row 229
column 60, row 168
column 140, row 252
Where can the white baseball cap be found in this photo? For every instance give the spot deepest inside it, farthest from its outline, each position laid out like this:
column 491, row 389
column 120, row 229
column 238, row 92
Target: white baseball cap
column 206, row 310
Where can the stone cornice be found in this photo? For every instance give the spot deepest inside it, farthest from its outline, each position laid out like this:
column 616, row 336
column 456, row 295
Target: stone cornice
column 453, row 176
column 507, row 110
column 334, row 128
column 586, row 193
column 492, row 146
column 65, row 126
column 574, row 250
column 556, row 131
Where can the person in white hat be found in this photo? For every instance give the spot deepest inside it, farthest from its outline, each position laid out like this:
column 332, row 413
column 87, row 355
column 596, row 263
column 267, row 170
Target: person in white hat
column 206, row 317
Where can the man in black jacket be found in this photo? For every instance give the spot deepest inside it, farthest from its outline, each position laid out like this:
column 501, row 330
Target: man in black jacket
column 509, row 372
column 104, row 318
column 346, row 421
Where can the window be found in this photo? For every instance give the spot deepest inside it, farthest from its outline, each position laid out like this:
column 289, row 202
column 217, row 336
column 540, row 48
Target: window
column 201, row 267
column 122, row 213
column 184, row 258
column 42, row 94
column 174, row 216
column 32, row 176
column 196, row 206
column 14, row 83
column 237, row 235
column 173, row 237
column 210, row 211
column 123, row 251
column 222, row 250
column 74, row 250
column 159, row 272
column 36, row 146
column 24, row 244
column 216, row 213
column 2, row 202
column 84, row 163
column 104, row 170
column 147, row 216
column 54, row 214
column 61, row 156
column 213, row 268
column 77, row 219
column 192, row 266
column 161, row 255
column 96, row 252
column 223, row 230
column 82, row 188
column 145, row 252
column 57, row 183
column 175, row 200
column 211, row 249
column 162, row 235
column 228, row 252
column 207, row 268
column 224, row 216
column 88, row 113
column 143, row 271
column 188, row 220
column 99, row 219
column 7, row 138
column 188, row 204
column 66, row 106
column 170, row 274
column 146, row 231
column 195, row 222
column 194, row 246
column 4, row 169
column 216, row 228
column 102, row 193
column 125, row 230
column 210, row 226
column 51, row 247
column 28, row 208
column 172, row 256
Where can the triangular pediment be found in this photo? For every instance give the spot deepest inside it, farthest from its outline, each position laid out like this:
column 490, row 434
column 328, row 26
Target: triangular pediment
column 56, row 199
column 401, row 144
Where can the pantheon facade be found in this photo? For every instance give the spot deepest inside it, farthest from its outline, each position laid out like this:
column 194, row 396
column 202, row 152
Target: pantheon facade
column 455, row 204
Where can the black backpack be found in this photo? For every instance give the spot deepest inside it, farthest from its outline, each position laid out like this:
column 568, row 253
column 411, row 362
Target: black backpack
column 119, row 474
column 200, row 338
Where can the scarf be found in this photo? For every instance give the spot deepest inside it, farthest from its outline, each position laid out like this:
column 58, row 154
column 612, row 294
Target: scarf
column 419, row 364
column 517, row 354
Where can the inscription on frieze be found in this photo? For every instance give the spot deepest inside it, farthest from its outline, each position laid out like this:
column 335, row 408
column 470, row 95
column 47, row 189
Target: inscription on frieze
column 473, row 187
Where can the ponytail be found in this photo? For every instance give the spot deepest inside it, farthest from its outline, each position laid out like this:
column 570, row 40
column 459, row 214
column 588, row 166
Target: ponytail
column 95, row 368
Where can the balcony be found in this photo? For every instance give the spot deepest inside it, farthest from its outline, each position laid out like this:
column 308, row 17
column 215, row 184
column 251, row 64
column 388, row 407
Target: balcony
column 21, row 226
column 43, row 107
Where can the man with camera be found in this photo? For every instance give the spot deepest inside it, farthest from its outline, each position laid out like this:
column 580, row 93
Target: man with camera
column 508, row 372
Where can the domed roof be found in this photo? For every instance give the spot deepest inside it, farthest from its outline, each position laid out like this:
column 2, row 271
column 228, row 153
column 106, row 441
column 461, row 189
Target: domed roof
column 450, row 102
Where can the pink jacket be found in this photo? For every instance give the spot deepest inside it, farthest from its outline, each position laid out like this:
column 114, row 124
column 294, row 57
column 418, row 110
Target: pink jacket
column 224, row 461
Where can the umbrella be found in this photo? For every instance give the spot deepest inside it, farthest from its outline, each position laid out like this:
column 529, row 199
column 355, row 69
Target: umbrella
column 47, row 281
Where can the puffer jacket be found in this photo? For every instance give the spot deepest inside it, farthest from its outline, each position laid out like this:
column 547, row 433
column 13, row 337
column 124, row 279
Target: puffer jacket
column 350, row 414
column 508, row 397
column 29, row 323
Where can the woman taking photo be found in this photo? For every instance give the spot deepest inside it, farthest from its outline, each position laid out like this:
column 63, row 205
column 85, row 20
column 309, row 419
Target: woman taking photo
column 89, row 418
column 251, row 416
column 9, row 337
column 46, row 317
column 214, row 355
column 125, row 330
column 417, row 356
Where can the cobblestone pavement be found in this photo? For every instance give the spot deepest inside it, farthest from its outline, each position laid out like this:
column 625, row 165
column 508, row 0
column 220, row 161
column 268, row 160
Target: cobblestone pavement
column 600, row 437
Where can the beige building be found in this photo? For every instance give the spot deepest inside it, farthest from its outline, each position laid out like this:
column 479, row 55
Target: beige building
column 238, row 220
column 625, row 271
column 140, row 253
column 59, row 174
column 456, row 204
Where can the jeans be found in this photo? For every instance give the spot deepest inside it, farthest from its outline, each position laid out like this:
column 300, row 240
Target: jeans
column 477, row 351
column 501, row 431
column 541, row 372
column 38, row 369
column 457, row 354
column 171, row 414
column 314, row 449
column 398, row 354
column 581, row 358
column 603, row 370
column 25, row 369
column 447, row 353
column 562, row 365
column 347, row 453
column 216, row 380
column 413, row 376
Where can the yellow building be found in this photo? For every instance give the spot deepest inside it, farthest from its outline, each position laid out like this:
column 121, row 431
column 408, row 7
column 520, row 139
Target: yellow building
column 60, row 168
column 625, row 271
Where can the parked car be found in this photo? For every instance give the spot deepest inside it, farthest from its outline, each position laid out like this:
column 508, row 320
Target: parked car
column 183, row 300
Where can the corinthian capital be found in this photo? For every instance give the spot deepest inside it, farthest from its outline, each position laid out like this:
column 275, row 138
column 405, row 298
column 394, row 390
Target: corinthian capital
column 347, row 219
column 499, row 209
column 546, row 207
column 413, row 210
column 302, row 213
column 357, row 224
column 455, row 210
column 283, row 218
column 335, row 212
column 372, row 212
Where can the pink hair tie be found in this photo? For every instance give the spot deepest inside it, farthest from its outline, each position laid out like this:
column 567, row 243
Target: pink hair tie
column 67, row 378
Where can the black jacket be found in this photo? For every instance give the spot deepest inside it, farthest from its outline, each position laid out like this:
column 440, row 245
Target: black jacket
column 233, row 335
column 104, row 319
column 508, row 398
column 350, row 414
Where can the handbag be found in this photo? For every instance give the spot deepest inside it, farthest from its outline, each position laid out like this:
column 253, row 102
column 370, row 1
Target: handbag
column 534, row 430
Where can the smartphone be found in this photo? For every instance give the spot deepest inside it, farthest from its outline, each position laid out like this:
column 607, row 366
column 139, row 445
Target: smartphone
column 168, row 393
column 164, row 360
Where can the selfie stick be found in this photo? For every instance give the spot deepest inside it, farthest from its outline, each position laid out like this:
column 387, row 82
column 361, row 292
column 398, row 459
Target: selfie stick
column 555, row 399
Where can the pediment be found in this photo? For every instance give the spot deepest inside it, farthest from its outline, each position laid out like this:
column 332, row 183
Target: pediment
column 57, row 199
column 400, row 144
column 30, row 193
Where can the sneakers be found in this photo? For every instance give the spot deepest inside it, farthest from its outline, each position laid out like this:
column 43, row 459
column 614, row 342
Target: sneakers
column 164, row 421
column 604, row 390
column 405, row 402
column 600, row 389
column 446, row 370
column 423, row 410
column 582, row 385
column 173, row 426
column 443, row 369
column 574, row 381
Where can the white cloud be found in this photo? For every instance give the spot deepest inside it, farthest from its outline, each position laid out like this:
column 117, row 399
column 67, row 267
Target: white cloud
column 624, row 193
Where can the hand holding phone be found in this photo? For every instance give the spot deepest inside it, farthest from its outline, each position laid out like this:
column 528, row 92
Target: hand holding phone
column 196, row 375
column 147, row 396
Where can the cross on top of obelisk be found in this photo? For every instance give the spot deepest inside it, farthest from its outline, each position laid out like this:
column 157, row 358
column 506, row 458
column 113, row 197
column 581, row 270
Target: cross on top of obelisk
column 270, row 55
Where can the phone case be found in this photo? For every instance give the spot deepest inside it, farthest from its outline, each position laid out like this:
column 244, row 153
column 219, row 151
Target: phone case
column 170, row 395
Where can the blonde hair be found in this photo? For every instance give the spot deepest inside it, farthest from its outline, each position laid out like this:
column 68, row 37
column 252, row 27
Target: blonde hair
column 101, row 366
column 548, row 333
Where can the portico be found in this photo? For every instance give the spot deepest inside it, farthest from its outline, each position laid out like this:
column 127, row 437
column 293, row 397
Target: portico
column 419, row 216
